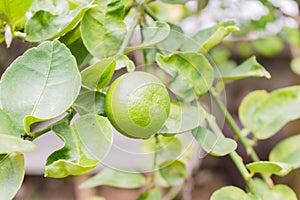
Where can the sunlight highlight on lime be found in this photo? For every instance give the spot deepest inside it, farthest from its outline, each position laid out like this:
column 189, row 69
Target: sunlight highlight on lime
column 137, row 104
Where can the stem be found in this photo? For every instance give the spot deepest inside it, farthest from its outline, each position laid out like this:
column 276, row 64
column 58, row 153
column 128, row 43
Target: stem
column 129, row 35
column 142, row 23
column 156, row 145
column 42, row 131
column 238, row 161
column 249, row 149
column 129, row 7
column 173, row 192
column 150, row 14
column 237, row 131
column 236, row 158
column 150, row 180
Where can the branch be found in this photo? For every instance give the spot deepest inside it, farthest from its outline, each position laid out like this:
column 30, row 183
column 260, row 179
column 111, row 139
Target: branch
column 249, row 149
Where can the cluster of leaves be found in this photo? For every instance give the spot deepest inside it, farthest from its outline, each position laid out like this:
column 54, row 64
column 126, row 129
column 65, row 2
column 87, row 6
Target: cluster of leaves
column 79, row 46
column 270, row 35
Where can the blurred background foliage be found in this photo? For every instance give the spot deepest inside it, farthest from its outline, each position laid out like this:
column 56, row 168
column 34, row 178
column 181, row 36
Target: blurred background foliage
column 269, row 29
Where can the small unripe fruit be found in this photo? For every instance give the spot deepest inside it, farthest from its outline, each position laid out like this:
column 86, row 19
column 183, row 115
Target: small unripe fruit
column 137, row 104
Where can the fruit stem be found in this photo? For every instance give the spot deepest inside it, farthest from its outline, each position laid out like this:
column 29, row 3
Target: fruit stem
column 155, row 153
column 156, row 146
column 238, row 133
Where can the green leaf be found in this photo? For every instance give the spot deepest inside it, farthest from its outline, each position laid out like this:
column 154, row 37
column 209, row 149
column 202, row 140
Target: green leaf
column 174, row 1
column 230, row 193
column 260, row 186
column 249, row 68
column 12, row 172
column 87, row 141
column 173, row 41
column 212, row 143
column 90, row 102
column 266, row 113
column 210, row 37
column 13, row 10
column 49, row 74
column 116, row 178
column 182, row 89
column 287, row 151
column 103, row 29
column 99, row 74
column 153, row 194
column 153, row 35
column 194, row 67
column 70, row 159
column 8, row 126
column 95, row 134
column 279, row 192
column 271, row 167
column 74, row 42
column 173, row 171
column 183, row 117
column 268, row 46
column 44, row 25
column 168, row 148
column 10, row 144
column 52, row 6
column 123, row 61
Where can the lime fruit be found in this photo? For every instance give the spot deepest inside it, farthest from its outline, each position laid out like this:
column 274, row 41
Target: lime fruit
column 137, row 104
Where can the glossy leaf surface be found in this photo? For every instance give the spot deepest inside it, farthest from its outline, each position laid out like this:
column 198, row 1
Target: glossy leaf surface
column 230, row 193
column 271, row 167
column 8, row 126
column 194, row 67
column 210, row 37
column 90, row 102
column 287, row 151
column 123, row 61
column 74, row 42
column 279, row 192
column 87, row 141
column 153, row 36
column 173, row 171
column 12, row 172
column 46, row 25
column 212, row 143
column 96, row 135
column 10, row 144
column 49, row 74
column 173, row 41
column 249, row 68
column 99, row 74
column 103, row 29
column 70, row 159
column 182, row 118
column 169, row 148
column 266, row 113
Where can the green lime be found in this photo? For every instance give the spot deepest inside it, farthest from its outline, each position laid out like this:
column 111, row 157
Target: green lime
column 137, row 104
